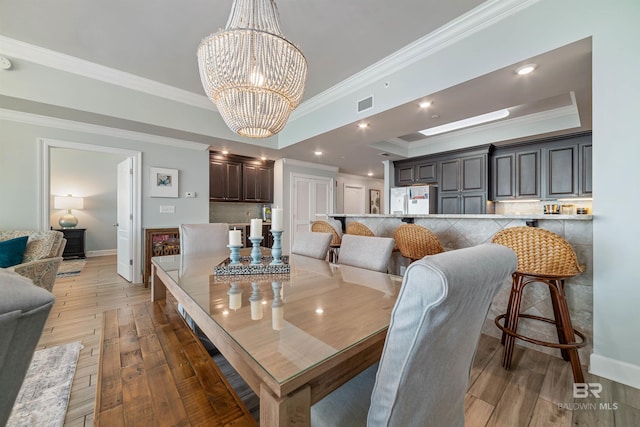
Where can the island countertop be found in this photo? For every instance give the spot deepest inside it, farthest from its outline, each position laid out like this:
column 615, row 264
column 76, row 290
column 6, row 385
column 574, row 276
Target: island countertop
column 582, row 217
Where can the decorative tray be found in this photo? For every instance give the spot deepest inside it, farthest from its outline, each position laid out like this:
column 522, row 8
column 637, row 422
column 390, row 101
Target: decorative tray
column 245, row 267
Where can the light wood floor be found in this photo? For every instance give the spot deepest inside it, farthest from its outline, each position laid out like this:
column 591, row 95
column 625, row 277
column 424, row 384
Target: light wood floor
column 536, row 392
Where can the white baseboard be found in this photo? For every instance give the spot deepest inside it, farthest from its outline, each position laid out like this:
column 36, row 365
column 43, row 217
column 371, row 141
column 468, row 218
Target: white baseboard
column 616, row 370
column 104, row 252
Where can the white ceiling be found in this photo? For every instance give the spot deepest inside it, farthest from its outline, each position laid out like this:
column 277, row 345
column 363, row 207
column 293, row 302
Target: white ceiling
column 157, row 40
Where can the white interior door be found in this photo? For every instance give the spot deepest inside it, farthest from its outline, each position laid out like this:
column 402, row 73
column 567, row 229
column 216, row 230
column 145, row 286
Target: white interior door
column 310, row 196
column 124, row 223
column 354, row 200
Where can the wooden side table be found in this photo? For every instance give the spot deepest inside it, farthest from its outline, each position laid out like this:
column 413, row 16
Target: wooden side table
column 75, row 242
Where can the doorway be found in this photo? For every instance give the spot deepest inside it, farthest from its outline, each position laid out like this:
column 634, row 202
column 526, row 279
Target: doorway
column 46, row 147
column 354, row 199
column 310, row 196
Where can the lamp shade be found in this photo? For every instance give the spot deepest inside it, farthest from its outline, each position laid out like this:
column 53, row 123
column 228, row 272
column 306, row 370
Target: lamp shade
column 68, row 202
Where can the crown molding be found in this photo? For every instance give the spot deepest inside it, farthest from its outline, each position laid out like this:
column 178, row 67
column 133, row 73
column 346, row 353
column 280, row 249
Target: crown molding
column 71, row 64
column 464, row 26
column 292, row 162
column 53, row 122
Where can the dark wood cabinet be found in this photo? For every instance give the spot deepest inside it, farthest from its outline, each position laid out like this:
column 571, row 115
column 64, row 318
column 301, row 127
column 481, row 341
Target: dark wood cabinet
column 404, row 175
column 257, row 182
column 561, row 164
column 75, row 242
column 516, row 174
column 225, row 181
column 158, row 242
column 240, row 179
column 585, row 163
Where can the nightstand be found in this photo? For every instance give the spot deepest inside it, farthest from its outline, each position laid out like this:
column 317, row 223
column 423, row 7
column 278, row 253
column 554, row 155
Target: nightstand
column 75, row 242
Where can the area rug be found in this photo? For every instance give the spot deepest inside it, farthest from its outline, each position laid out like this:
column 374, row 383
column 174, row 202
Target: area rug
column 44, row 395
column 72, row 267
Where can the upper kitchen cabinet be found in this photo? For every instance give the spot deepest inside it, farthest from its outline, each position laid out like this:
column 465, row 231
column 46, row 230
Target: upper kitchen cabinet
column 567, row 168
column 257, row 182
column 240, row 179
column 516, row 174
column 416, row 173
column 225, row 180
column 543, row 169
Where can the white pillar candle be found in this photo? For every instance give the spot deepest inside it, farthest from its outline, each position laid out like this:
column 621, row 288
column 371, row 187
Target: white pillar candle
column 277, row 318
column 235, row 301
column 256, row 310
column 276, row 219
column 235, row 237
column 256, row 228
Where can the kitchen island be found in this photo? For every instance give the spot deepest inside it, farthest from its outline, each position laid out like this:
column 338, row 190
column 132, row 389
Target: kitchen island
column 461, row 231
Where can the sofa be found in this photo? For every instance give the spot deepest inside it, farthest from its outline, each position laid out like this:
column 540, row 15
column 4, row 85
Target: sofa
column 42, row 256
column 24, row 309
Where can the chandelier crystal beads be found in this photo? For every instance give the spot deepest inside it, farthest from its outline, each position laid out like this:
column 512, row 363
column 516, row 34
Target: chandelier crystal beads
column 252, row 73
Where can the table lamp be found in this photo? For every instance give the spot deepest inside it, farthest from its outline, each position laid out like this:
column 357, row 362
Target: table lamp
column 68, row 202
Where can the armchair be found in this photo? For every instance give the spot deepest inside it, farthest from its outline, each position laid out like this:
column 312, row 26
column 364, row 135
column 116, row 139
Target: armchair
column 42, row 257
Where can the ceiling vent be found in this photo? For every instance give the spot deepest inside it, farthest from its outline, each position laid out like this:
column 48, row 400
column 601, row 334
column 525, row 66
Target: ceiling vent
column 412, row 137
column 365, row 104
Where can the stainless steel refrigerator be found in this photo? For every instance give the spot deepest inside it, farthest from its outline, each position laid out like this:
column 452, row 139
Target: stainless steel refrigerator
column 413, row 200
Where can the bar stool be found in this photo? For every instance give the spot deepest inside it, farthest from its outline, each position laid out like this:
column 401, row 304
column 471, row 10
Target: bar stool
column 336, row 240
column 415, row 241
column 547, row 258
column 359, row 229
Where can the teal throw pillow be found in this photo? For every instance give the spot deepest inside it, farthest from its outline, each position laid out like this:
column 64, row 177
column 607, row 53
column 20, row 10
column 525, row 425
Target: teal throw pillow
column 12, row 251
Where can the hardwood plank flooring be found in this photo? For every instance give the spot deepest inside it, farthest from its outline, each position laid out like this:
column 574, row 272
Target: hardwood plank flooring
column 536, row 392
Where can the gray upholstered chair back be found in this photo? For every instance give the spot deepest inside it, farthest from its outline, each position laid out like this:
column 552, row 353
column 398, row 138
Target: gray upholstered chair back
column 423, row 374
column 311, row 244
column 372, row 253
column 24, row 308
column 203, row 239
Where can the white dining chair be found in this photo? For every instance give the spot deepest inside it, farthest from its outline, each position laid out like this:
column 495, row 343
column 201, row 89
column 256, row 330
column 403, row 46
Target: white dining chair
column 199, row 243
column 423, row 374
column 372, row 253
column 311, row 244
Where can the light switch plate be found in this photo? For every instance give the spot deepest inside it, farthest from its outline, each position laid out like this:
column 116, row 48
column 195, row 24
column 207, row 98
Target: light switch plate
column 167, row 209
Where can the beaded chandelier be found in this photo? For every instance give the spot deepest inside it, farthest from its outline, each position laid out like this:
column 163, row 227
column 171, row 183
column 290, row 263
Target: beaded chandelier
column 251, row 72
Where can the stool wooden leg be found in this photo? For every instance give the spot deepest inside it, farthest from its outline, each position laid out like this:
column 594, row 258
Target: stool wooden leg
column 569, row 337
column 511, row 321
column 506, row 319
column 558, row 287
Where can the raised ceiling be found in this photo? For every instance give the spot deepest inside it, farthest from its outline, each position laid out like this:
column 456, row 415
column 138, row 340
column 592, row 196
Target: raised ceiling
column 157, row 40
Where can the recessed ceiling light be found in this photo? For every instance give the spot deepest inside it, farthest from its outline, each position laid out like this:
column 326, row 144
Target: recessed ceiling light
column 526, row 69
column 318, row 153
column 225, row 152
column 370, row 174
column 425, row 104
column 362, row 125
column 471, row 121
column 263, row 158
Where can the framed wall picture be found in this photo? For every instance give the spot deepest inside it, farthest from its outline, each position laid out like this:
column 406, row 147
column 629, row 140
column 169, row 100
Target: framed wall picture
column 164, row 182
column 374, row 201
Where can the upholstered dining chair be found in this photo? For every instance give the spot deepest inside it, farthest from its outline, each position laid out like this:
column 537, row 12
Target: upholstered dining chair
column 415, row 241
column 198, row 244
column 336, row 237
column 311, row 244
column 543, row 257
column 372, row 253
column 423, row 374
column 359, row 229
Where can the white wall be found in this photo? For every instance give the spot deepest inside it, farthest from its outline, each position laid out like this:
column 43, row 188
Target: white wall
column 93, row 176
column 343, row 180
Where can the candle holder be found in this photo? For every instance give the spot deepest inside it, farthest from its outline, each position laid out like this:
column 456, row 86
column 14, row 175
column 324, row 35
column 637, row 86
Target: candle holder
column 235, row 255
column 276, row 249
column 256, row 302
column 256, row 255
column 235, row 296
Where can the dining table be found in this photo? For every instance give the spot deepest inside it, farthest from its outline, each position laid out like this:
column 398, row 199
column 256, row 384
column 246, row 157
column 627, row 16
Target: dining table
column 294, row 337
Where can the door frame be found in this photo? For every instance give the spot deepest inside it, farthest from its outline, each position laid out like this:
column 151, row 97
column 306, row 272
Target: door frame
column 44, row 190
